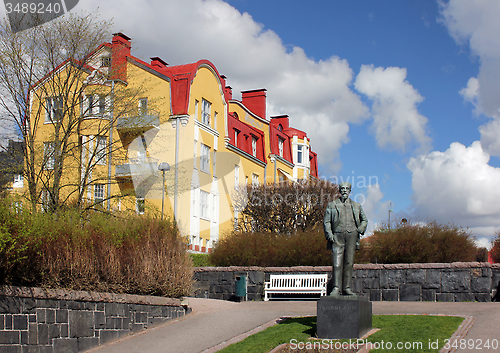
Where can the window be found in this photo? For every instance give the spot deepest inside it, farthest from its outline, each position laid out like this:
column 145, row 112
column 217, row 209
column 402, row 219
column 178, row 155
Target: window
column 49, row 155
column 196, row 103
column 204, row 206
column 280, row 127
column 254, row 147
column 281, row 142
column 299, row 154
column 106, row 61
column 205, row 112
column 18, row 181
column 236, row 133
column 100, row 150
column 98, row 193
column 102, row 105
column 215, row 120
column 205, row 158
column 53, row 109
column 143, row 106
column 255, row 180
column 140, row 205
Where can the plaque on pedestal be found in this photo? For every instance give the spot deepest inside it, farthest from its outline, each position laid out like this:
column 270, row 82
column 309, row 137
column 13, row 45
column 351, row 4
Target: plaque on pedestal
column 343, row 317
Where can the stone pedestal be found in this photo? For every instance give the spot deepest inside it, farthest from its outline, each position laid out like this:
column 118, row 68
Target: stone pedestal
column 343, row 317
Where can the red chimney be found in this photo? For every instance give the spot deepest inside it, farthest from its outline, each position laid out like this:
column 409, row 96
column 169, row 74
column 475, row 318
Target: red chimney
column 120, row 50
column 228, row 91
column 158, row 62
column 255, row 100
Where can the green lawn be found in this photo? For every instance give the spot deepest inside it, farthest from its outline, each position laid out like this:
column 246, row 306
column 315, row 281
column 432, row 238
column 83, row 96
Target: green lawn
column 398, row 333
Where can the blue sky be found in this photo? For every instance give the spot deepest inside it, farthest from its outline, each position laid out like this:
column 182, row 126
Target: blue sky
column 404, row 91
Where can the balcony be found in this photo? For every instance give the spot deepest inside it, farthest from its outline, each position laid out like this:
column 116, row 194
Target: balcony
column 142, row 121
column 136, row 167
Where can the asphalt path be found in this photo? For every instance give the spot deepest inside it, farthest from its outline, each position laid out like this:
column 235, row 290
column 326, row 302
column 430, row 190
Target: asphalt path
column 214, row 323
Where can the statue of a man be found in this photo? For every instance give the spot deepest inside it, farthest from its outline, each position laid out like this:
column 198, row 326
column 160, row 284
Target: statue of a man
column 344, row 222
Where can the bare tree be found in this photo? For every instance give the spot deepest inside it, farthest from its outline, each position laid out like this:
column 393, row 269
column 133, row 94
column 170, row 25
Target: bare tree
column 285, row 207
column 61, row 106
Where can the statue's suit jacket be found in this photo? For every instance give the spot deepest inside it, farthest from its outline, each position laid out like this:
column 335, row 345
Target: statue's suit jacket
column 332, row 219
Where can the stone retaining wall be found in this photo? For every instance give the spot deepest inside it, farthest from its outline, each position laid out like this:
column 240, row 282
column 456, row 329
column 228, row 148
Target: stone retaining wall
column 459, row 281
column 50, row 321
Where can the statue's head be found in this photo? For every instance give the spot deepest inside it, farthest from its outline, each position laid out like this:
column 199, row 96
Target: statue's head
column 345, row 189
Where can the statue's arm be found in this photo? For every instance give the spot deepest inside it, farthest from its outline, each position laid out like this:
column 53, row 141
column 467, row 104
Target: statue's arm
column 327, row 224
column 363, row 221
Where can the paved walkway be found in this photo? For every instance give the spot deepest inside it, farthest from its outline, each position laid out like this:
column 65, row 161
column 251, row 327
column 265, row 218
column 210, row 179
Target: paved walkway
column 213, row 322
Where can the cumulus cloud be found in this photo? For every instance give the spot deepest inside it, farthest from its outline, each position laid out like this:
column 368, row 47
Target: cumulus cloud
column 373, row 206
column 315, row 94
column 396, row 120
column 476, row 24
column 457, row 185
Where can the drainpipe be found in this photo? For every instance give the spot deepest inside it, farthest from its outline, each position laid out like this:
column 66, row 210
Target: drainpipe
column 110, row 144
column 176, row 188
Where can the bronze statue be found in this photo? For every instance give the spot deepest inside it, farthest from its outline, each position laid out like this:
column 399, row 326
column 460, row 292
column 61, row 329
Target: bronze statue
column 344, row 222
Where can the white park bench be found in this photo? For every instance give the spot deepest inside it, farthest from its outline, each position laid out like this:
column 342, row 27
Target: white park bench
column 296, row 284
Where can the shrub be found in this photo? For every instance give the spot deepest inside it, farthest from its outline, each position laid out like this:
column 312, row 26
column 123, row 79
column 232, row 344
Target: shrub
column 302, row 248
column 125, row 254
column 411, row 243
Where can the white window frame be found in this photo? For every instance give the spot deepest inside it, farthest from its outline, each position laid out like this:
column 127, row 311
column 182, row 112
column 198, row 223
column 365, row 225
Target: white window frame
column 98, row 193
column 236, row 133
column 140, row 205
column 205, row 158
column 255, row 179
column 254, row 146
column 281, row 144
column 49, row 159
column 206, row 107
column 102, row 106
column 204, row 205
column 18, row 181
column 300, row 152
column 53, row 109
column 101, row 143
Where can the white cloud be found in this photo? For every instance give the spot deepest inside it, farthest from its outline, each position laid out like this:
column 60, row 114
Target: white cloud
column 373, row 206
column 396, row 120
column 476, row 24
column 315, row 94
column 471, row 91
column 458, row 186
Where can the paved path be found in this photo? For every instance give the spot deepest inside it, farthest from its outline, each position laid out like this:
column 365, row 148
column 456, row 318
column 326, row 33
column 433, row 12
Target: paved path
column 213, row 322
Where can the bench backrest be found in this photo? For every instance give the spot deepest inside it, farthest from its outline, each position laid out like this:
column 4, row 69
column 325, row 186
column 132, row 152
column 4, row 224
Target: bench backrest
column 298, row 281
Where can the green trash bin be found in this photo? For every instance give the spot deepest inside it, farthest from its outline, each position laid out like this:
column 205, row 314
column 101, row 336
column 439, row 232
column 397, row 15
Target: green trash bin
column 241, row 286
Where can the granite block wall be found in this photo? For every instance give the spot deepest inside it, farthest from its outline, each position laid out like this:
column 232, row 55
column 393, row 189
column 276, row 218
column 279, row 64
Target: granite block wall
column 52, row 321
column 459, row 281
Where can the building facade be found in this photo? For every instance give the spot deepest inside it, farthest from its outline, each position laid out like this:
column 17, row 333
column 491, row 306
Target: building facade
column 135, row 115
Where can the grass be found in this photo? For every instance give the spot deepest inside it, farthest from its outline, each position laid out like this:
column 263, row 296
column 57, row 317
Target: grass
column 414, row 333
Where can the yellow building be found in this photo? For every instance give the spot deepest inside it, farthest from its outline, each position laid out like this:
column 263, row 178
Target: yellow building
column 136, row 115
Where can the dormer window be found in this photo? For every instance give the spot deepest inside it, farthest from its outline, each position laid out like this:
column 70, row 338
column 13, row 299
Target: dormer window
column 280, row 127
column 106, row 61
column 281, row 143
column 254, row 146
column 299, row 153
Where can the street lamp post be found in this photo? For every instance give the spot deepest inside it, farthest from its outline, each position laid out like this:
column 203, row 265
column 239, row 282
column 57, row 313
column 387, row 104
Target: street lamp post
column 163, row 166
